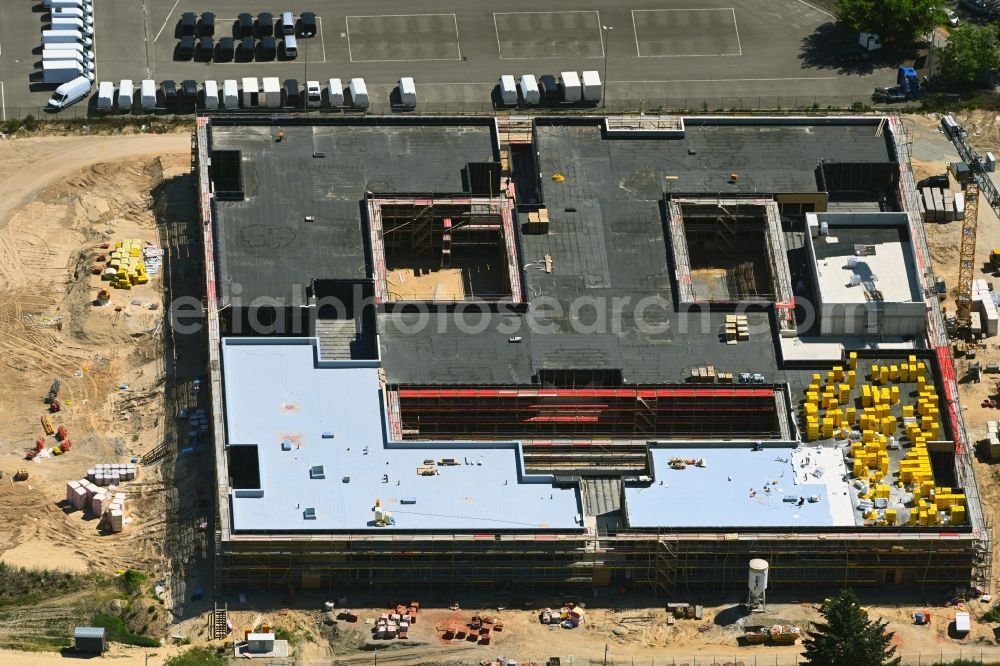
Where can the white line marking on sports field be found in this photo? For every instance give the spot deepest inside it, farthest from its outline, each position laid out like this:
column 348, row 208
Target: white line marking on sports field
column 3, row 100
column 688, row 55
column 736, row 27
column 166, row 20
column 322, row 38
column 350, row 55
column 819, row 9
column 600, row 34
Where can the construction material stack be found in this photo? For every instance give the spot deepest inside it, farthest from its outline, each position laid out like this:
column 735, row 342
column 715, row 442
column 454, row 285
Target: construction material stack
column 126, row 266
column 873, row 432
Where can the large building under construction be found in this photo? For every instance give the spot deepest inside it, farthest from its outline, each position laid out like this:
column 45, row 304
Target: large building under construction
column 551, row 352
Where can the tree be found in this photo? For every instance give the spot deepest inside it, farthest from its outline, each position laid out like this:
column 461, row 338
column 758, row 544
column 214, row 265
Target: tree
column 893, row 20
column 198, row 656
column 848, row 636
column 971, row 54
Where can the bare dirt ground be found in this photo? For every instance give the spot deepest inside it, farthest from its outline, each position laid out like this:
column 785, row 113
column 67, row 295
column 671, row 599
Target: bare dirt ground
column 931, row 152
column 61, row 198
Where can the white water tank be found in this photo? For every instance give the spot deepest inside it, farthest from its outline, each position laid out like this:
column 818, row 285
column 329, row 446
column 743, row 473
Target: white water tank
column 758, row 575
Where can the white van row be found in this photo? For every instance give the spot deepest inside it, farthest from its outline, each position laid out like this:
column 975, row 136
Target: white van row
column 570, row 87
column 67, row 44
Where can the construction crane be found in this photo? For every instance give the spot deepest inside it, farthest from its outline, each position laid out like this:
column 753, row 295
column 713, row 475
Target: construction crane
column 967, row 256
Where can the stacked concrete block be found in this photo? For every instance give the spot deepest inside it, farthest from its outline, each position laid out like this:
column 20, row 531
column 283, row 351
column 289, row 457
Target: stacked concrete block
column 76, row 494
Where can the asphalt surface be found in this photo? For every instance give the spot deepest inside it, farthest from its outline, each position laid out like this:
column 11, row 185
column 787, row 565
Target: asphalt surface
column 651, row 49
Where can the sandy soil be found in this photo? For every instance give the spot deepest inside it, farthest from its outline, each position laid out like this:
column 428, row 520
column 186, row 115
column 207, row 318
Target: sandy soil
column 445, row 284
column 931, row 152
column 61, row 198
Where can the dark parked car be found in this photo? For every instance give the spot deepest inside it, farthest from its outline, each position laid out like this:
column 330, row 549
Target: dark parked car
column 246, row 50
column 169, row 92
column 267, row 49
column 205, row 48
column 888, row 95
column 189, row 88
column 548, row 87
column 307, row 24
column 265, row 24
column 207, row 25
column 292, row 95
column 187, row 24
column 224, row 50
column 244, row 25
column 185, row 49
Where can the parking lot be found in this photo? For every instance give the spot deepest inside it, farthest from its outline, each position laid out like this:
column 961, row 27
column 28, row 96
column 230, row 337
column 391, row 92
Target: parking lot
column 651, row 50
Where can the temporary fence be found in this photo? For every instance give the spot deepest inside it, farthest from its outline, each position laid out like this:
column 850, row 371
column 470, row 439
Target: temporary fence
column 772, row 103
column 621, row 657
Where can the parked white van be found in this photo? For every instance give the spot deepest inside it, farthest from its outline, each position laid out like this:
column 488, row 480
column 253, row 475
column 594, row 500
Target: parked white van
column 70, row 92
column 105, row 96
column 147, row 94
column 72, row 47
column 73, row 12
column 126, row 91
column 51, row 4
column 65, row 37
column 59, row 54
column 211, row 94
column 68, row 23
column 230, row 94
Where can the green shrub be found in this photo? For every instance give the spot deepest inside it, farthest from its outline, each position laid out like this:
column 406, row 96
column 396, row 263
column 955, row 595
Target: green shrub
column 198, row 656
column 119, row 632
column 131, row 582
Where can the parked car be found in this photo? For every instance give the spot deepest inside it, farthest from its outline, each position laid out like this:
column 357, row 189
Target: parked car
column 224, row 49
column 265, row 24
column 187, row 23
column 169, row 91
column 314, row 94
column 189, row 88
column 548, row 87
column 292, row 97
column 205, row 49
column 289, row 47
column 951, row 17
column 244, row 25
column 185, row 49
column 207, row 24
column 287, row 23
column 245, row 52
column 267, row 48
column 888, row 95
column 307, row 24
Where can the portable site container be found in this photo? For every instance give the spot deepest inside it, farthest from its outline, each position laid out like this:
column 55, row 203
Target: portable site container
column 508, row 90
column 407, row 92
column 335, row 92
column 359, row 93
column 105, row 95
column 147, row 94
column 126, row 91
column 211, row 94
column 230, row 94
column 570, row 84
column 529, row 89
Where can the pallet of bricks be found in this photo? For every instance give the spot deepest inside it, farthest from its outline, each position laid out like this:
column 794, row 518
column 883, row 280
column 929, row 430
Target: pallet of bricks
column 941, row 205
